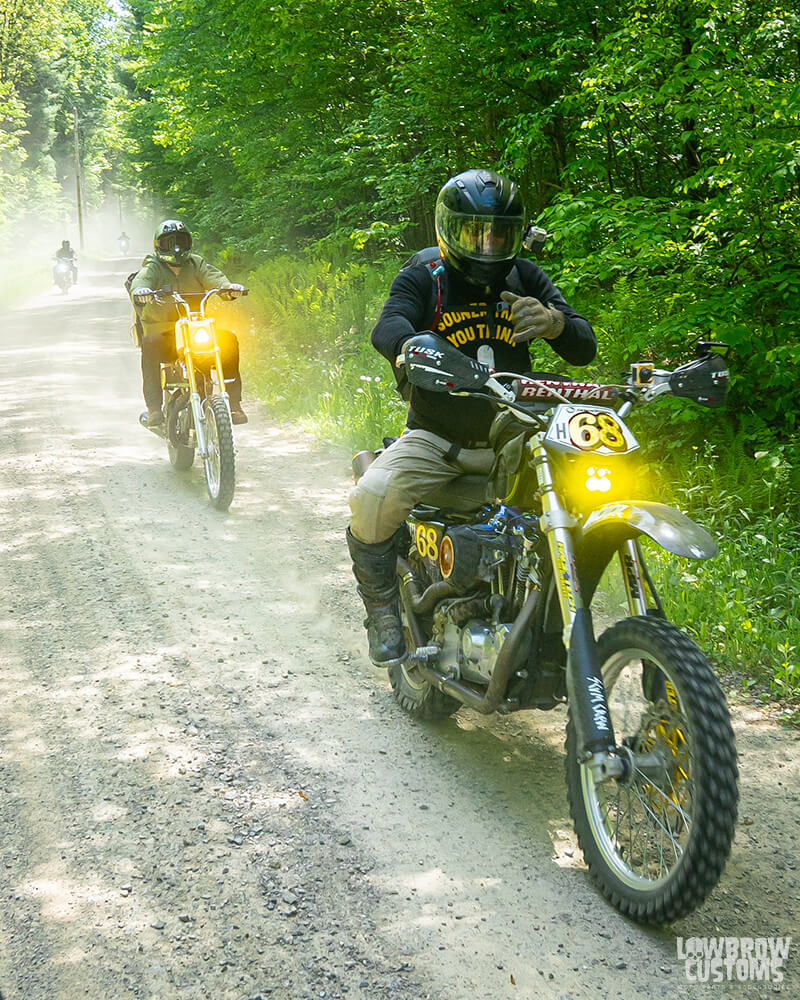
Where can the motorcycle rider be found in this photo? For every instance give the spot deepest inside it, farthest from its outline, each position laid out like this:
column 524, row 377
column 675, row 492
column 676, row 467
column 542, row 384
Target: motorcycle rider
column 66, row 252
column 485, row 297
column 172, row 264
column 124, row 242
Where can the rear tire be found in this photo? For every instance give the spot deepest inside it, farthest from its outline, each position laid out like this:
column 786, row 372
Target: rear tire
column 419, row 697
column 220, row 464
column 657, row 841
column 414, row 693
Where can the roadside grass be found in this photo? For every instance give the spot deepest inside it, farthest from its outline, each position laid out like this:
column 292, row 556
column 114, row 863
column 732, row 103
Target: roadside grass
column 23, row 281
column 307, row 355
column 743, row 606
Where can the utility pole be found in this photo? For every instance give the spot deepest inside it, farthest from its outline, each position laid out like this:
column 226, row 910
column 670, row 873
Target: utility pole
column 78, row 176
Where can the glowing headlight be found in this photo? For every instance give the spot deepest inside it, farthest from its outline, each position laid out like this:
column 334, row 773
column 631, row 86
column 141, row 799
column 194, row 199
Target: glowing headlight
column 201, row 336
column 587, row 482
column 598, row 480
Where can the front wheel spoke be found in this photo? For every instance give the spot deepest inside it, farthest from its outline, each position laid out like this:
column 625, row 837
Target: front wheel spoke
column 620, row 815
column 654, row 816
column 631, row 842
column 669, row 801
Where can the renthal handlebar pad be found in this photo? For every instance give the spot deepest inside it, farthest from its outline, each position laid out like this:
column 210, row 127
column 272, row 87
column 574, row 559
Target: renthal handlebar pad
column 583, row 392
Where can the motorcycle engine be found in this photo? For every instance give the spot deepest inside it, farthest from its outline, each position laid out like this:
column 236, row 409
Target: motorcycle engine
column 470, row 651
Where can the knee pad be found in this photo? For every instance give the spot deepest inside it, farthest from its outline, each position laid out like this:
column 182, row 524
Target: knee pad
column 376, row 510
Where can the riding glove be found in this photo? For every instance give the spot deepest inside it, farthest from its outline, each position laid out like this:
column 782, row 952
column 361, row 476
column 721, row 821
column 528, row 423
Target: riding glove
column 532, row 320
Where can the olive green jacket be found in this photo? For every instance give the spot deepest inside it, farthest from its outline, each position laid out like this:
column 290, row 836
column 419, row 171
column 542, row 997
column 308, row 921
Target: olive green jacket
column 195, row 275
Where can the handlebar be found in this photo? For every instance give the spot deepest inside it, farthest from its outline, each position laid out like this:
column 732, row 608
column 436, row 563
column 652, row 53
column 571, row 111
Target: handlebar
column 166, row 294
column 433, row 363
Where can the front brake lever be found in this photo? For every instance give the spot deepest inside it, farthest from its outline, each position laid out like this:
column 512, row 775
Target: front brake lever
column 507, row 395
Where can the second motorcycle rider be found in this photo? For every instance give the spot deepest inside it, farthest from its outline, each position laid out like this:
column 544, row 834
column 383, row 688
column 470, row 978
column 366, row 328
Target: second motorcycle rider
column 172, row 264
column 477, row 294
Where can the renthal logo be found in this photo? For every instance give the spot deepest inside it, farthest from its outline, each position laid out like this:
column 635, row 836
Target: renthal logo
column 574, row 390
column 427, row 352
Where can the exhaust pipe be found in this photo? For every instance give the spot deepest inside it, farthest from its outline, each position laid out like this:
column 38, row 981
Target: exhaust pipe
column 488, row 701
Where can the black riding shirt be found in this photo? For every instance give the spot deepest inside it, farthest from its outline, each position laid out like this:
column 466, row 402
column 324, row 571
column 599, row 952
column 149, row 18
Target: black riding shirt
column 472, row 316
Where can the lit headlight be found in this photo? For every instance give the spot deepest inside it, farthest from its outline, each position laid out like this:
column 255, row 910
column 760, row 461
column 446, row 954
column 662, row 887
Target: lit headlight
column 586, row 483
column 598, row 480
column 201, row 336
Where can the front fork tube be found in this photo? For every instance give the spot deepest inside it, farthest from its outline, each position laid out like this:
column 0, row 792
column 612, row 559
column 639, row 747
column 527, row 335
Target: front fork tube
column 197, row 403
column 642, row 600
column 585, row 687
column 639, row 589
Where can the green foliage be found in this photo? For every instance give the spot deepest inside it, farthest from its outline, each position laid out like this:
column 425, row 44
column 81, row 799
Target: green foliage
column 684, row 188
column 657, row 142
column 743, row 606
column 55, row 55
column 308, row 354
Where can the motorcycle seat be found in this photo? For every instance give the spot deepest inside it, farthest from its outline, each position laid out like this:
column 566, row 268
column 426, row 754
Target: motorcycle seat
column 462, row 494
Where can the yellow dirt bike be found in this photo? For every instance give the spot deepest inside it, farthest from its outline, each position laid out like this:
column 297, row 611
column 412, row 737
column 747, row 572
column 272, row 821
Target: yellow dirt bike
column 197, row 409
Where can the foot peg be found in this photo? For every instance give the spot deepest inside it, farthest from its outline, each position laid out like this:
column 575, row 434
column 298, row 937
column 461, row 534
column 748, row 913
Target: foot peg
column 424, row 654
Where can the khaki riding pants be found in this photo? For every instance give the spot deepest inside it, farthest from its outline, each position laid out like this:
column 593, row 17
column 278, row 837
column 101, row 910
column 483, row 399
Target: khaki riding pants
column 410, row 469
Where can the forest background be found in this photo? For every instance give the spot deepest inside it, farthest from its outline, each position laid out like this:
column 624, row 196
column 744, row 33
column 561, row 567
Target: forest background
column 304, row 144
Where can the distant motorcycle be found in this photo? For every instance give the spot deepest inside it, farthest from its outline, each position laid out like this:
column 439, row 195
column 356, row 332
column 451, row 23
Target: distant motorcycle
column 124, row 245
column 197, row 409
column 63, row 274
column 497, row 577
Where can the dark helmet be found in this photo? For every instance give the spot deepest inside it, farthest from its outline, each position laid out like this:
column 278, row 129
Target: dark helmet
column 479, row 224
column 65, row 244
column 172, row 242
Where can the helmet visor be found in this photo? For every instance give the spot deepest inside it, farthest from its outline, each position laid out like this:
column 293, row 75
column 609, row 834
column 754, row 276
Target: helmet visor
column 480, row 237
column 180, row 241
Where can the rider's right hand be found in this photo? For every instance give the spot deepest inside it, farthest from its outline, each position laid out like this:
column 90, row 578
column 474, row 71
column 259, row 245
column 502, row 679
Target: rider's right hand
column 143, row 296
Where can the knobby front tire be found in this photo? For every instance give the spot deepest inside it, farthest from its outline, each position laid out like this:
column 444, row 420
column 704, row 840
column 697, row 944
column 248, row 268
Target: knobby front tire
column 220, row 465
column 656, row 842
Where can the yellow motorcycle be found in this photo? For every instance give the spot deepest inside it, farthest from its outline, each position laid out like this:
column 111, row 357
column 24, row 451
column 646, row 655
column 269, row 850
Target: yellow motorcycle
column 197, row 406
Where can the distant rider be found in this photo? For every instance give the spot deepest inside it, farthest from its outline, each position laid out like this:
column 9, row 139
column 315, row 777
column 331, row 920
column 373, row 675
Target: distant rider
column 173, row 265
column 487, row 298
column 124, row 242
column 66, row 252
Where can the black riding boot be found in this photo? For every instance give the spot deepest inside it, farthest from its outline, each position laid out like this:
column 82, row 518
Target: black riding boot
column 374, row 569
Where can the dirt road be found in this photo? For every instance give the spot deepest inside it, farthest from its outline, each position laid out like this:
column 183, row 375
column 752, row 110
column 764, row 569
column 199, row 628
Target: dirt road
column 205, row 788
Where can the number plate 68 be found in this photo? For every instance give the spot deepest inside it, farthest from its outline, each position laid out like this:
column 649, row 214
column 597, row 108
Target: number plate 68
column 589, row 428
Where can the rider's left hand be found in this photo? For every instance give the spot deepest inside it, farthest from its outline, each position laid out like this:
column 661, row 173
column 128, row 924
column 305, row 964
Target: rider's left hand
column 231, row 292
column 532, row 320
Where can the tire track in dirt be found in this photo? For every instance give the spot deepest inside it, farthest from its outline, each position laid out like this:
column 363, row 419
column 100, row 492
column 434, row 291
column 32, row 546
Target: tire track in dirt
column 208, row 791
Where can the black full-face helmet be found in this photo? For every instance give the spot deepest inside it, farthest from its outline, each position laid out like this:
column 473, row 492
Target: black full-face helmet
column 172, row 242
column 480, row 218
